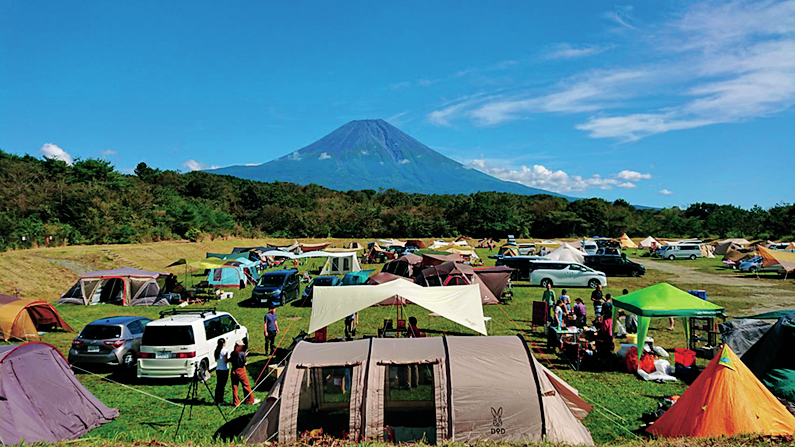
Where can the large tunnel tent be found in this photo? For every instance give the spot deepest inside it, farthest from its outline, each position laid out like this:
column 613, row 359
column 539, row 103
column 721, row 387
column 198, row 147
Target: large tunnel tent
column 421, row 388
column 41, row 400
column 125, row 286
column 22, row 318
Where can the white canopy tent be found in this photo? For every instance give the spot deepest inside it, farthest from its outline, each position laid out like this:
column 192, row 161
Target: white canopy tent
column 649, row 242
column 460, row 304
column 566, row 253
column 341, row 263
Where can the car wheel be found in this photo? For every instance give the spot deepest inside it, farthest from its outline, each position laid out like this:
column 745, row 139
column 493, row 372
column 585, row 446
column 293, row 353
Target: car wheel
column 754, row 270
column 545, row 282
column 671, row 258
column 128, row 361
column 204, row 368
column 692, row 257
column 593, row 283
column 635, row 273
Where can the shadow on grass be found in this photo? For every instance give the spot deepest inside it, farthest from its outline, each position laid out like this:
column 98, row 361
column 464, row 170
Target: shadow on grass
column 232, row 429
column 448, row 333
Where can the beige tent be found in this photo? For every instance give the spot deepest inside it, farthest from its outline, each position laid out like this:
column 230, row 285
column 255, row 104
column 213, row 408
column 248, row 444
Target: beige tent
column 460, row 304
column 649, row 242
column 566, row 253
column 626, row 242
column 466, row 390
column 706, row 251
column 723, row 247
column 341, row 263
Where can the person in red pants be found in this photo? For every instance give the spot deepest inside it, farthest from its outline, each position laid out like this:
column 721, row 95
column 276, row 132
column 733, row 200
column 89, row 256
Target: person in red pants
column 239, row 361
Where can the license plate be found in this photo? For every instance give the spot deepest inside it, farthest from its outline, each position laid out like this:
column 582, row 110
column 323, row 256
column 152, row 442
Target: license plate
column 162, row 355
column 93, row 349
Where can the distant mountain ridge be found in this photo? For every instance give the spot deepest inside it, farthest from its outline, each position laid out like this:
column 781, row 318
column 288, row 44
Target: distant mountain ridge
column 372, row 154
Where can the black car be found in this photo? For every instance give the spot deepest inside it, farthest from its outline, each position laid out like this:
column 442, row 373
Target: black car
column 277, row 288
column 614, row 265
column 522, row 265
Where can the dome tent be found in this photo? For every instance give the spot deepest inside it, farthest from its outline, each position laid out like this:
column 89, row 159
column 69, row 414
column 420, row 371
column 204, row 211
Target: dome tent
column 126, row 286
column 21, row 318
column 523, row 402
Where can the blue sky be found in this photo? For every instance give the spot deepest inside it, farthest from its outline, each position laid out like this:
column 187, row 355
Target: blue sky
column 660, row 103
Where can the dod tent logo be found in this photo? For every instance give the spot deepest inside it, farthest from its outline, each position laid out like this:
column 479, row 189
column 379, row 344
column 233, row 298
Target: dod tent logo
column 497, row 428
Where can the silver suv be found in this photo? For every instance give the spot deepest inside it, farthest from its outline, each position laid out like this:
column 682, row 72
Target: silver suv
column 109, row 341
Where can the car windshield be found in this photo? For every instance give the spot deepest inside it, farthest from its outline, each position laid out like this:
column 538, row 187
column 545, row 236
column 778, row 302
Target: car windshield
column 167, row 336
column 323, row 281
column 755, row 259
column 271, row 280
column 100, row 332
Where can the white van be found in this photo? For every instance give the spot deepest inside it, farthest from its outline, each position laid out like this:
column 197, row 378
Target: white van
column 590, row 247
column 569, row 274
column 527, row 249
column 680, row 251
column 181, row 340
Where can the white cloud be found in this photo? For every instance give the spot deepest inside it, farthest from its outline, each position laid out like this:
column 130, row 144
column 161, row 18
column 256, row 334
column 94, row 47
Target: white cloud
column 194, row 165
column 365, row 152
column 53, row 151
column 108, row 152
column 295, row 156
column 324, row 156
column 568, row 51
column 632, row 176
column 404, row 161
column 252, row 164
column 665, row 192
column 622, row 17
column 539, row 176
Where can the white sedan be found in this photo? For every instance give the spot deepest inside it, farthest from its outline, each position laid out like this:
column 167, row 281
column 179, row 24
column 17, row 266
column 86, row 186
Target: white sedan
column 570, row 274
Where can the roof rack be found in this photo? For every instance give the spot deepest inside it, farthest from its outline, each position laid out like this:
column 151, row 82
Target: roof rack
column 202, row 312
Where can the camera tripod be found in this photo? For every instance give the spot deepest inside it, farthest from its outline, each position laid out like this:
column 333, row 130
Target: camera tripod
column 193, row 396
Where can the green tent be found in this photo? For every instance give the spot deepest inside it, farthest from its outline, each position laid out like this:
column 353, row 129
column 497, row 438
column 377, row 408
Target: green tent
column 662, row 300
column 773, row 315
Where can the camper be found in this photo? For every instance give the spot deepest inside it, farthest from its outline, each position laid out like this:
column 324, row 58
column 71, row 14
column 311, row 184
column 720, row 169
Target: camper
column 680, row 251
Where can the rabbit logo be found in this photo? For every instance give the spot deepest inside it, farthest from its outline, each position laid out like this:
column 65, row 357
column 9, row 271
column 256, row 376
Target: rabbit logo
column 496, row 423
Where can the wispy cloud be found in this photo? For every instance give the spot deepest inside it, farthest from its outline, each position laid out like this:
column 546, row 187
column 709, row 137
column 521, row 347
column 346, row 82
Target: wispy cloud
column 108, row 153
column 194, row 165
column 666, row 192
column 622, row 16
column 53, row 151
column 568, row 51
column 540, row 176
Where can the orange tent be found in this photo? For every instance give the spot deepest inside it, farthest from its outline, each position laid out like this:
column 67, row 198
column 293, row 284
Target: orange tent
column 726, row 400
column 21, row 318
column 775, row 257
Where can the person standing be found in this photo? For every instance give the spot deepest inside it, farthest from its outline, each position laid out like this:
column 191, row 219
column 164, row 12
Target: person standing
column 607, row 315
column 221, row 371
column 580, row 311
column 271, row 327
column 564, row 296
column 560, row 314
column 239, row 375
column 596, row 299
column 351, row 321
column 549, row 298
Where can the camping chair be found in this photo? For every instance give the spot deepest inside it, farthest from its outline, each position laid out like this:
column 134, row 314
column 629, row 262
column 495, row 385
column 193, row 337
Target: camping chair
column 386, row 329
column 401, row 326
column 573, row 354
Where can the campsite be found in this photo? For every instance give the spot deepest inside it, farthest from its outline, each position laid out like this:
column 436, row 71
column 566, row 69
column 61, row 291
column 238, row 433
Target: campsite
column 149, row 410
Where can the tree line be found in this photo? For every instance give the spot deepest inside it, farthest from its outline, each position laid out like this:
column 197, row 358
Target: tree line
column 48, row 202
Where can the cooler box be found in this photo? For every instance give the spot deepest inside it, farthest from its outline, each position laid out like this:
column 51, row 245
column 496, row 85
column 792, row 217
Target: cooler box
column 699, row 293
column 684, row 357
column 632, row 339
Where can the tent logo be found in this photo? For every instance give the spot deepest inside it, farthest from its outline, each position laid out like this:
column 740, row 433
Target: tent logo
column 497, row 428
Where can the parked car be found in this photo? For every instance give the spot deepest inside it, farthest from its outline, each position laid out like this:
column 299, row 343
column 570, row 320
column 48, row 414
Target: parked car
column 527, row 249
column 754, row 265
column 680, row 251
column 590, row 247
column 182, row 340
column 569, row 274
column 614, row 265
column 522, row 265
column 277, row 288
column 111, row 341
column 306, row 299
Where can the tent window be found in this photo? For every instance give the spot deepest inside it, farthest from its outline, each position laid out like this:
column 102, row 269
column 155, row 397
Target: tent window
column 324, row 400
column 346, row 264
column 409, row 408
column 111, row 291
column 74, row 292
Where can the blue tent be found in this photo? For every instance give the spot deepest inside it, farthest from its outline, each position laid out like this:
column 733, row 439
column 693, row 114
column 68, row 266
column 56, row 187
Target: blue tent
column 226, row 276
column 356, row 278
column 249, row 269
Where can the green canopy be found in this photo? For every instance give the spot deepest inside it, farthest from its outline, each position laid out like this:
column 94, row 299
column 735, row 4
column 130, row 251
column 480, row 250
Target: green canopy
column 774, row 315
column 662, row 300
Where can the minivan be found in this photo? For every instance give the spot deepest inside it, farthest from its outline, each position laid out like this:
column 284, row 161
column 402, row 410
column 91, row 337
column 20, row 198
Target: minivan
column 522, row 265
column 277, row 288
column 566, row 274
column 590, row 247
column 614, row 265
column 680, row 251
column 182, row 342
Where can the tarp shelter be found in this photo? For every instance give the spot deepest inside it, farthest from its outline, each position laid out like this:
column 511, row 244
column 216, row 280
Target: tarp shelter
column 41, row 400
column 725, row 400
column 356, row 278
column 403, row 266
column 126, row 286
column 741, row 335
column 626, row 242
column 228, row 256
column 738, row 255
column 776, row 257
column 485, row 243
column 771, row 358
column 454, row 274
column 375, row 254
column 429, row 259
column 222, row 273
column 662, row 300
column 382, row 278
column 438, row 244
column 247, row 249
column 460, row 304
column 415, row 243
column 340, row 264
column 313, row 247
column 391, row 243
column 723, row 247
column 566, row 253
column 471, row 390
column 648, row 243
column 21, row 318
column 508, row 250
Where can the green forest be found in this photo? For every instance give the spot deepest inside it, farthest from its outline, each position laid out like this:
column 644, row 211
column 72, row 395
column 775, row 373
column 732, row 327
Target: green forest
column 47, row 202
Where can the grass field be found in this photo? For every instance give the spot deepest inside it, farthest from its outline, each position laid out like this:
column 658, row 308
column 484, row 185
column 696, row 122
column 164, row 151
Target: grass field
column 149, row 411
